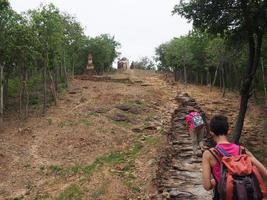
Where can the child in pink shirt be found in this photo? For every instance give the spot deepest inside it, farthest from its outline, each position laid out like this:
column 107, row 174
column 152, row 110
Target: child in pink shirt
column 196, row 127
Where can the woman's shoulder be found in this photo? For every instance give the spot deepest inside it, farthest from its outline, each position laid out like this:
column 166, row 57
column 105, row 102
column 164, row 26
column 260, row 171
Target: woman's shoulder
column 207, row 154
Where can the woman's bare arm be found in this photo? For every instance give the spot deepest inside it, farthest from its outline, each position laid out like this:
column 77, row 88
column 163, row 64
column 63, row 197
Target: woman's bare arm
column 258, row 164
column 208, row 183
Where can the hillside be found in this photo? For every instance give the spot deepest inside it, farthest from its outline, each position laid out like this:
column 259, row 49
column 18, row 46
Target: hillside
column 106, row 137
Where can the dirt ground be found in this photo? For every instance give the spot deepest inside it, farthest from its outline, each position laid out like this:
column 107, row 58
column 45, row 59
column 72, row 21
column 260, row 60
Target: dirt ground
column 104, row 139
column 86, row 148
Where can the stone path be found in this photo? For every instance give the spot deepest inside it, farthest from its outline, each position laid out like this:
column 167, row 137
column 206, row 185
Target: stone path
column 179, row 174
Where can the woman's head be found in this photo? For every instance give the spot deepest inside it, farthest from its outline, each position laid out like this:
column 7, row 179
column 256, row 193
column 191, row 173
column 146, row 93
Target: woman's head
column 219, row 125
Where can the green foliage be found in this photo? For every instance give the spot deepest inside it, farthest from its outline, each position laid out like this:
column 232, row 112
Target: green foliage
column 104, row 51
column 73, row 192
column 202, row 53
column 42, row 48
column 174, row 54
column 225, row 16
column 143, row 63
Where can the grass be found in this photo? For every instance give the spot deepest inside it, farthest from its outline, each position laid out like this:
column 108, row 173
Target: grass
column 99, row 192
column 86, row 122
column 55, row 169
column 122, row 123
column 42, row 197
column 66, row 123
column 50, row 121
column 71, row 193
column 112, row 159
column 93, row 113
column 83, row 121
column 152, row 140
column 109, row 159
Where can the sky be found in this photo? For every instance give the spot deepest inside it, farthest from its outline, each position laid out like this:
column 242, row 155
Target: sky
column 139, row 25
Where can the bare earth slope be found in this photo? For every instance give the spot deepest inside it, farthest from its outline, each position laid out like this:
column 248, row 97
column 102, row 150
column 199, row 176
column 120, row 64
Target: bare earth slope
column 101, row 142
column 104, row 139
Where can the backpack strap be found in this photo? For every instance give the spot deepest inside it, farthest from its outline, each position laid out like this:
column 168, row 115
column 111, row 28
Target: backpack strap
column 222, row 151
column 242, row 150
column 194, row 114
column 216, row 154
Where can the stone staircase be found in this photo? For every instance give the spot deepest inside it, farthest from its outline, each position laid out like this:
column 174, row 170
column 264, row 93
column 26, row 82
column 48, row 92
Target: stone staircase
column 179, row 174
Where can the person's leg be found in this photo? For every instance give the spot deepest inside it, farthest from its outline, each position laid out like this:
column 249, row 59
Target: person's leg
column 194, row 140
column 200, row 136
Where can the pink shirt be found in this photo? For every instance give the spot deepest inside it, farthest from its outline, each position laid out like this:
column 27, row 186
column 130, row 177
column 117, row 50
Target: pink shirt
column 232, row 149
column 189, row 121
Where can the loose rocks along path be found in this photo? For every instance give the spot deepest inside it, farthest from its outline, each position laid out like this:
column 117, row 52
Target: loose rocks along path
column 179, row 174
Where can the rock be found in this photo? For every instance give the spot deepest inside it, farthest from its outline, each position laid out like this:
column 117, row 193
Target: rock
column 83, row 99
column 145, row 84
column 138, row 102
column 120, row 117
column 216, row 102
column 123, row 107
column 135, row 110
column 25, row 130
column 151, row 127
column 137, row 130
column 175, row 193
column 99, row 110
column 155, row 103
column 138, row 81
column 166, row 195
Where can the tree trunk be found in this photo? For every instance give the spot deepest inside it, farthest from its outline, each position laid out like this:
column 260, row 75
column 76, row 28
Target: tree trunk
column 73, row 66
column 201, row 78
column 185, row 76
column 207, row 78
column 254, row 90
column 175, row 75
column 52, row 87
column 215, row 76
column 253, row 62
column 263, row 78
column 1, row 93
column 61, row 66
column 56, row 79
column 24, row 94
column 6, row 89
column 220, row 78
column 223, row 81
column 27, row 95
column 45, row 84
column 65, row 71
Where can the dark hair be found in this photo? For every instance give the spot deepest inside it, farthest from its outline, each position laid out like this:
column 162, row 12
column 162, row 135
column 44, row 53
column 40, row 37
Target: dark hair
column 219, row 125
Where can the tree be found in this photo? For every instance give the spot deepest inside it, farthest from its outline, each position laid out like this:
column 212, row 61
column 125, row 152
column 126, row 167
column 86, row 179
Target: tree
column 233, row 18
column 179, row 56
column 160, row 58
column 7, row 23
column 74, row 41
column 39, row 50
column 104, row 51
column 143, row 63
column 48, row 24
column 25, row 53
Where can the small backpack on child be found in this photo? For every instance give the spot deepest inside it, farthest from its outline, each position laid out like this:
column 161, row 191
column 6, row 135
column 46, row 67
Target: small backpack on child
column 197, row 119
column 240, row 179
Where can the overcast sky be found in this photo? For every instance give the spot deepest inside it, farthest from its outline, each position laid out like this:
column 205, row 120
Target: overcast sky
column 139, row 25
